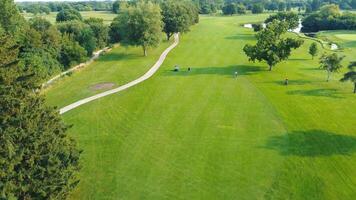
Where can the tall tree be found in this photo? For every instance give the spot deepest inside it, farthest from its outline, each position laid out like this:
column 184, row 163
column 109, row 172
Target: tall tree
column 176, row 17
column 100, row 31
column 271, row 46
column 10, row 19
column 313, row 50
column 229, row 9
column 350, row 75
column 140, row 25
column 331, row 63
column 68, row 14
column 37, row 158
column 291, row 18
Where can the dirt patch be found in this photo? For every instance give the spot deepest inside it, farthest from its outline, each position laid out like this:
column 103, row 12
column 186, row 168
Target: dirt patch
column 101, row 86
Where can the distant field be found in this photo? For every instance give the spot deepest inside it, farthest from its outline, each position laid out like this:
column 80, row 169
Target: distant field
column 206, row 135
column 105, row 15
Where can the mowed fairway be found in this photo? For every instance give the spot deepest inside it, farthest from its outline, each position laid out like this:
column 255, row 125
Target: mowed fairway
column 206, row 135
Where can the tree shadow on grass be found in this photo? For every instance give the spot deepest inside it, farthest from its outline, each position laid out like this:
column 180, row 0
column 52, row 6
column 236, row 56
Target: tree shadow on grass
column 292, row 82
column 332, row 93
column 114, row 56
column 227, row 71
column 312, row 143
column 241, row 36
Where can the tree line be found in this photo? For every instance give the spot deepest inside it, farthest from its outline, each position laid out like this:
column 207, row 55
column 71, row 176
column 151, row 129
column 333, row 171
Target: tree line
column 329, row 17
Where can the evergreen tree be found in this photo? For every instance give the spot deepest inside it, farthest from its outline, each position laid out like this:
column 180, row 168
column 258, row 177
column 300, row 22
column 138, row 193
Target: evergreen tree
column 37, row 158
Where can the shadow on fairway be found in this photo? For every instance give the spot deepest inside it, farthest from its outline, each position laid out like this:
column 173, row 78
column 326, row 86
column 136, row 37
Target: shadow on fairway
column 332, row 93
column 227, row 71
column 241, row 36
column 292, row 82
column 312, row 143
column 114, row 56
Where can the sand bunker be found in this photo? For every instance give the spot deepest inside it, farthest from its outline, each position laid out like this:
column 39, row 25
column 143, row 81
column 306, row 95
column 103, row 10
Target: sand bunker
column 102, row 86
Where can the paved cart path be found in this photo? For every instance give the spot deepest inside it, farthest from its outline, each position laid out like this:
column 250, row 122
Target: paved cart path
column 144, row 77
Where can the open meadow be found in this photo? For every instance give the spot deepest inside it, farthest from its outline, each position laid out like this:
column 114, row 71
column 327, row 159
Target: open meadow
column 204, row 134
column 105, row 15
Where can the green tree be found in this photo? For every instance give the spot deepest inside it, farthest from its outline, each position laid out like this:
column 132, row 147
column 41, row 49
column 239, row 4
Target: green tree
column 67, row 15
column 140, row 25
column 257, row 8
column 313, row 50
column 87, row 41
column 257, row 27
column 271, row 46
column 331, row 63
column 241, row 9
column 281, row 6
column 71, row 52
column 118, row 5
column 291, row 18
column 229, row 9
column 350, row 75
column 176, row 18
column 10, row 19
column 37, row 158
column 100, row 31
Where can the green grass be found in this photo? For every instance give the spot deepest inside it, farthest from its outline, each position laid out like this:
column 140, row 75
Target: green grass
column 205, row 135
column 105, row 15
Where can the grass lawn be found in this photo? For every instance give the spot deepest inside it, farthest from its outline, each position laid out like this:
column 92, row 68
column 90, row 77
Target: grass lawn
column 205, row 135
column 105, row 15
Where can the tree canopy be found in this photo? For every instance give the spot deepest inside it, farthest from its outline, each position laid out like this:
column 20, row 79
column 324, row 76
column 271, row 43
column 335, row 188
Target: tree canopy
column 271, row 46
column 178, row 16
column 140, row 25
column 291, row 18
column 331, row 63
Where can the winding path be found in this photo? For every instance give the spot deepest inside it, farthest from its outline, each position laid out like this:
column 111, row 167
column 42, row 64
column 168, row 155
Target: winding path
column 144, row 77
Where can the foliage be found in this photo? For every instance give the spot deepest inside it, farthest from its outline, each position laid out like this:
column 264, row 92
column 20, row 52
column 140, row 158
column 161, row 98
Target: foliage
column 313, row 50
column 331, row 63
column 118, row 5
column 10, row 19
column 71, row 52
column 329, row 18
column 100, row 31
column 350, row 75
column 38, row 160
column 67, row 15
column 139, row 25
column 257, row 27
column 229, row 9
column 177, row 17
column 271, row 46
column 257, row 8
column 291, row 18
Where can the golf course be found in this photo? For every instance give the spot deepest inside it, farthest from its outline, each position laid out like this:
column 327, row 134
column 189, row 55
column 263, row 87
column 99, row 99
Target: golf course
column 205, row 134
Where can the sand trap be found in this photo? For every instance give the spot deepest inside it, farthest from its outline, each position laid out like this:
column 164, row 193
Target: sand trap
column 102, row 86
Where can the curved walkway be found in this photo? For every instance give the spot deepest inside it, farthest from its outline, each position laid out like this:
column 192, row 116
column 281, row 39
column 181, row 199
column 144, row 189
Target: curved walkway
column 147, row 75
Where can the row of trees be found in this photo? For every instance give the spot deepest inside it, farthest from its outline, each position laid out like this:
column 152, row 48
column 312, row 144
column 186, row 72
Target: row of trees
column 329, row 18
column 46, row 7
column 213, row 6
column 38, row 160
